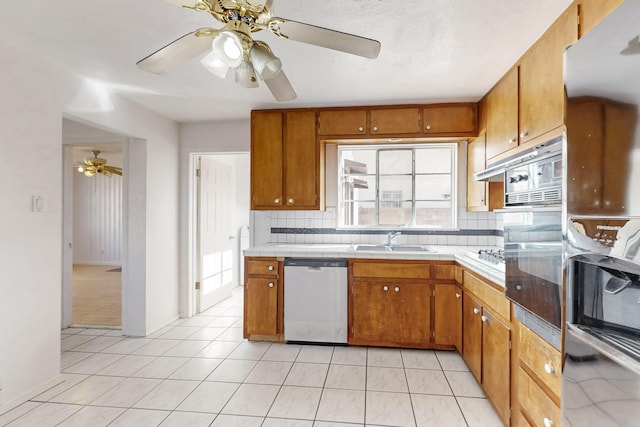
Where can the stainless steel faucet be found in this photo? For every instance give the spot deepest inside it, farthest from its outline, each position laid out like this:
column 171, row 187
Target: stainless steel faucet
column 392, row 235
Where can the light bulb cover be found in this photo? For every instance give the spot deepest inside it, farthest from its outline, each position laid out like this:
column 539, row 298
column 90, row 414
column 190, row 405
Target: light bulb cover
column 246, row 76
column 228, row 48
column 215, row 66
column 266, row 64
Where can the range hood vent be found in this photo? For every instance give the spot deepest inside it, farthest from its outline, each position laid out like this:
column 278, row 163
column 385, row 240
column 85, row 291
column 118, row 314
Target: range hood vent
column 495, row 171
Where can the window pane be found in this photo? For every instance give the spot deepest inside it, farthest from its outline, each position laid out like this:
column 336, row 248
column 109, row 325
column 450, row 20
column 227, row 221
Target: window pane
column 368, row 157
column 396, row 162
column 396, row 215
column 434, row 214
column 396, row 187
column 358, row 214
column 433, row 187
column 433, row 160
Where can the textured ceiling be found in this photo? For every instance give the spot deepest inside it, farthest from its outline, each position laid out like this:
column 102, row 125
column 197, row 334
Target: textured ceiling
column 432, row 50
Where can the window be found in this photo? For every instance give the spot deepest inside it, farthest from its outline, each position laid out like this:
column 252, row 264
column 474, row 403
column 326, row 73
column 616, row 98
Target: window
column 397, row 186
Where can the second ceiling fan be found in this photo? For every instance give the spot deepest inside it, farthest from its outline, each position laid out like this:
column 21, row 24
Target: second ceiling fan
column 233, row 48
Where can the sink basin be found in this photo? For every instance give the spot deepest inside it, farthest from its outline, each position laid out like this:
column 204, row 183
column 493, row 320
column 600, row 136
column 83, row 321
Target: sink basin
column 394, row 248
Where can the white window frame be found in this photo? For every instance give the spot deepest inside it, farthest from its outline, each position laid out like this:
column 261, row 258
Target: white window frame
column 378, row 148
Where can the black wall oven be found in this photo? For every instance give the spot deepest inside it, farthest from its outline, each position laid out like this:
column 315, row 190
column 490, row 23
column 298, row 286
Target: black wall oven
column 533, row 242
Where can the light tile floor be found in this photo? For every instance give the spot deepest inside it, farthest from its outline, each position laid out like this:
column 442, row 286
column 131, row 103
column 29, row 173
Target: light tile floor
column 200, row 372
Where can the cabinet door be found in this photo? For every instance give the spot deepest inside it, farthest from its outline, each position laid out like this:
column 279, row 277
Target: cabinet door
column 450, row 119
column 410, row 315
column 592, row 12
column 261, row 306
column 496, row 362
column 370, row 311
column 395, row 121
column 342, row 122
column 266, row 160
column 476, row 190
column 502, row 115
column 302, row 161
column 447, row 328
column 472, row 335
column 542, row 98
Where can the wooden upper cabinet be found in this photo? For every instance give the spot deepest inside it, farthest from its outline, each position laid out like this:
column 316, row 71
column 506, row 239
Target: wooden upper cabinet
column 476, row 190
column 266, row 159
column 302, row 161
column 458, row 119
column 342, row 122
column 542, row 97
column 592, row 12
column 502, row 115
column 395, row 121
column 285, row 160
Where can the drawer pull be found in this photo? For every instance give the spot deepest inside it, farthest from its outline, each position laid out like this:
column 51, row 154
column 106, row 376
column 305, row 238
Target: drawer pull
column 360, row 129
column 270, row 268
column 276, row 201
column 271, row 285
column 385, row 288
column 547, row 422
column 484, row 318
column 375, row 128
column 476, row 310
column 428, row 127
column 397, row 289
column 548, row 368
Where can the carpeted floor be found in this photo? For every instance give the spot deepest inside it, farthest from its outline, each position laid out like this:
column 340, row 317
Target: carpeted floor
column 97, row 299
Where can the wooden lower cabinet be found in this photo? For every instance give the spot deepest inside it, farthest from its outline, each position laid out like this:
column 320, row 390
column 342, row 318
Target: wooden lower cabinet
column 390, row 313
column 486, row 349
column 447, row 315
column 263, row 299
column 536, row 406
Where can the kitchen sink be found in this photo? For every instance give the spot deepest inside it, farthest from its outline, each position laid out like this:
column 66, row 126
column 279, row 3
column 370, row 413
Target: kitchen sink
column 394, row 248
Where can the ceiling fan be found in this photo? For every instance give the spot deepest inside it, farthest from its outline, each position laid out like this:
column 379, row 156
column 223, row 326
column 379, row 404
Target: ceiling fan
column 232, row 46
column 95, row 164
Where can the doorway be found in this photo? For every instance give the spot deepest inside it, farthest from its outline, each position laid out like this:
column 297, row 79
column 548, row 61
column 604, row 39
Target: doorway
column 221, row 219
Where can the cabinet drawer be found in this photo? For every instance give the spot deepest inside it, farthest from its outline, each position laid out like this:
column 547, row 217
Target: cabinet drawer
column 494, row 299
column 444, row 271
column 538, row 407
column 541, row 358
column 458, row 274
column 393, row 270
column 262, row 267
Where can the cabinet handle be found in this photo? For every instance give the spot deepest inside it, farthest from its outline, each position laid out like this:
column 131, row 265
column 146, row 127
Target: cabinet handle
column 458, row 295
column 476, row 310
column 385, row 288
column 397, row 289
column 428, row 127
column 548, row 368
column 512, row 140
column 547, row 422
column 484, row 318
column 276, row 201
column 360, row 129
column 290, row 201
column 523, row 134
column 375, row 128
column 271, row 284
column 270, row 268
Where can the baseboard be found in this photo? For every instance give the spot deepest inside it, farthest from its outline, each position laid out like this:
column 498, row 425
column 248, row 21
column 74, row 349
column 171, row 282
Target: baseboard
column 15, row 402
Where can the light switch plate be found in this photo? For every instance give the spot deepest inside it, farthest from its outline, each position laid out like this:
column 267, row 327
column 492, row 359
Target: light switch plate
column 37, row 203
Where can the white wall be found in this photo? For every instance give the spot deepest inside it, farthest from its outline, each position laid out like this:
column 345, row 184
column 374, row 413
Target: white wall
column 35, row 96
column 97, row 223
column 233, row 136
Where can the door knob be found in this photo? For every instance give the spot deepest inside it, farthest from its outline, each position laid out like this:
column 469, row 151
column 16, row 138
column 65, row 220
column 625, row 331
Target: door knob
column 397, row 289
column 457, row 295
column 271, row 285
column 385, row 288
column 270, row 268
column 484, row 318
column 476, row 310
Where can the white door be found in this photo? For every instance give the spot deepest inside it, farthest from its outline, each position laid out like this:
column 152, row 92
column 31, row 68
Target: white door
column 217, row 235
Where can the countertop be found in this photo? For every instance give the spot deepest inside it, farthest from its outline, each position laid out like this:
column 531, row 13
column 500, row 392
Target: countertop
column 438, row 253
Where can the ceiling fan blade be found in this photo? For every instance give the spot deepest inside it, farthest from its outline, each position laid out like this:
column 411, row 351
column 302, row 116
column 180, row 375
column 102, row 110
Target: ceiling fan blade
column 177, row 52
column 325, row 37
column 183, row 3
column 281, row 88
column 113, row 169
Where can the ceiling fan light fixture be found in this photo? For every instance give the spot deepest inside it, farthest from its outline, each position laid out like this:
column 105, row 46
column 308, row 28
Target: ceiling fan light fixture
column 227, row 46
column 266, row 64
column 246, row 75
column 214, row 65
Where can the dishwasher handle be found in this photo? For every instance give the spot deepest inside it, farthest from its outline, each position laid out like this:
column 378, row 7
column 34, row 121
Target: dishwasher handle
column 315, row 263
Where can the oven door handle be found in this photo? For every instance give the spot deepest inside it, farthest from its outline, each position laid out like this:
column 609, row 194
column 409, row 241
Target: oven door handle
column 603, row 348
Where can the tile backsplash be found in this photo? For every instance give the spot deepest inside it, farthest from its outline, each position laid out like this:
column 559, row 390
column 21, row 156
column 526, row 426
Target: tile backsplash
column 474, row 229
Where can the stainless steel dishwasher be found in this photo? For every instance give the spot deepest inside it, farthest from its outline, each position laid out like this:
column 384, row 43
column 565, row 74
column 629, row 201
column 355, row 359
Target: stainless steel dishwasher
column 315, row 300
